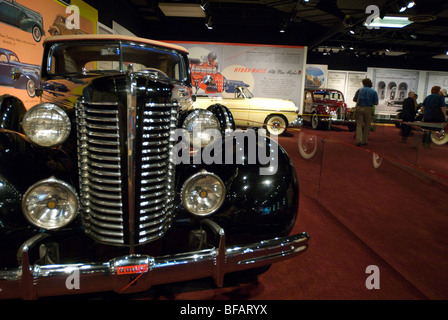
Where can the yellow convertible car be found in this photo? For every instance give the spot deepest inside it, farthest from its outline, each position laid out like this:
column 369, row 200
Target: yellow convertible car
column 249, row 111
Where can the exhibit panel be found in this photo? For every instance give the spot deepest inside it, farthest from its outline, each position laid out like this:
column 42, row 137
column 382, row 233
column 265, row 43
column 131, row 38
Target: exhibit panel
column 268, row 71
column 25, row 24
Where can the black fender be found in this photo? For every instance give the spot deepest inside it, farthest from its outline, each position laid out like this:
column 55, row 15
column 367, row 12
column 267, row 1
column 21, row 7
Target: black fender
column 224, row 117
column 222, row 113
column 23, row 164
column 257, row 205
column 12, row 111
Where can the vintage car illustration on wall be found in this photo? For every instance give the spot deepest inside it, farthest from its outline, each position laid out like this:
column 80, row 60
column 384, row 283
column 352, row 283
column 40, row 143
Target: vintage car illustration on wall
column 17, row 15
column 17, row 74
column 59, row 27
column 323, row 107
column 249, row 111
column 216, row 82
column 91, row 188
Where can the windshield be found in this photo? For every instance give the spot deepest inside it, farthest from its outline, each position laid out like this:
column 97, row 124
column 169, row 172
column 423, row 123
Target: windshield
column 328, row 95
column 246, row 92
column 73, row 57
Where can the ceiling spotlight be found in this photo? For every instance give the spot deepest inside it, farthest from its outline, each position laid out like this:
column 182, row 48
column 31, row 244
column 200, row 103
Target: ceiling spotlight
column 352, row 31
column 411, row 4
column 204, row 4
column 446, row 52
column 209, row 23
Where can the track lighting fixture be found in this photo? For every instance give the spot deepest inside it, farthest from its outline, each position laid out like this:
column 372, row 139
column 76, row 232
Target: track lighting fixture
column 209, row 22
column 204, row 4
column 406, row 5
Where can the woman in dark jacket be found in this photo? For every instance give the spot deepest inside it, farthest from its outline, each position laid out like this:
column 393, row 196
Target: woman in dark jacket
column 434, row 110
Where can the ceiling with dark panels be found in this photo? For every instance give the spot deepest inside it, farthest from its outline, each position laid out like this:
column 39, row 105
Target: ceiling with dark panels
column 322, row 25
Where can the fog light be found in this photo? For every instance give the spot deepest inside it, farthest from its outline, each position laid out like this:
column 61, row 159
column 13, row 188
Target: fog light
column 203, row 193
column 50, row 204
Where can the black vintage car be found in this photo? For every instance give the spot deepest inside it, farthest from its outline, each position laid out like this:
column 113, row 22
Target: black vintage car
column 101, row 187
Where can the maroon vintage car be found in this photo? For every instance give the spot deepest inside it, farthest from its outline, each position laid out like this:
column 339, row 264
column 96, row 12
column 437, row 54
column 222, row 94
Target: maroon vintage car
column 324, row 107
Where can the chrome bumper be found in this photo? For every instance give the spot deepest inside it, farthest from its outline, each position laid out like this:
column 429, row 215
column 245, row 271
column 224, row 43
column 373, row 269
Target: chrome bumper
column 297, row 122
column 136, row 273
column 337, row 121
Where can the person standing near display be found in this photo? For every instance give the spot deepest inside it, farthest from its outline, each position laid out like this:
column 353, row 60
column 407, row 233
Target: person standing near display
column 366, row 98
column 408, row 115
column 434, row 110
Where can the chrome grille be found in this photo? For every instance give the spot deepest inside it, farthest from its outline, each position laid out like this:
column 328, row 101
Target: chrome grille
column 100, row 171
column 157, row 172
column 102, row 178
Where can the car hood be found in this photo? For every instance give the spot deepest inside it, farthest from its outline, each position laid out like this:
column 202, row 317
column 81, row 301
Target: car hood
column 25, row 66
column 273, row 104
column 331, row 103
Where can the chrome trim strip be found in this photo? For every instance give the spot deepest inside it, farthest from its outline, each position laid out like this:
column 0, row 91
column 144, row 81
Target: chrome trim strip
column 131, row 157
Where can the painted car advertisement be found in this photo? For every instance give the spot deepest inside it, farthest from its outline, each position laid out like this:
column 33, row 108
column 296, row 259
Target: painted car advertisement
column 268, row 71
column 24, row 24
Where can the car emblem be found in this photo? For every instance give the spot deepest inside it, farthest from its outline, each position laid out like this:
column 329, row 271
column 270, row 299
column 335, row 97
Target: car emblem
column 140, row 268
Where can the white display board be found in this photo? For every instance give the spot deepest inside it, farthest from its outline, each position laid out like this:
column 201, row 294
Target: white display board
column 436, row 79
column 348, row 82
column 268, row 71
column 393, row 86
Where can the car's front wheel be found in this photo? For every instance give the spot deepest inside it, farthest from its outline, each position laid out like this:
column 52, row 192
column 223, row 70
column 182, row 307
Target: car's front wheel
column 315, row 121
column 276, row 125
column 37, row 34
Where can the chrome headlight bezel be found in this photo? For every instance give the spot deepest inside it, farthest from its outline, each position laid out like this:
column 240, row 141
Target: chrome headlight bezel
column 198, row 188
column 46, row 125
column 201, row 124
column 44, row 204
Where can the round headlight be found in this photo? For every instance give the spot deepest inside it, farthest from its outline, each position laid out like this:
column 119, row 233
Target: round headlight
column 50, row 204
column 203, row 126
column 203, row 193
column 46, row 125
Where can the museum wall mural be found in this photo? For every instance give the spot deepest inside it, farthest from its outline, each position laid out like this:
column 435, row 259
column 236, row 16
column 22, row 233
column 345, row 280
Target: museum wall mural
column 267, row 71
column 24, row 25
